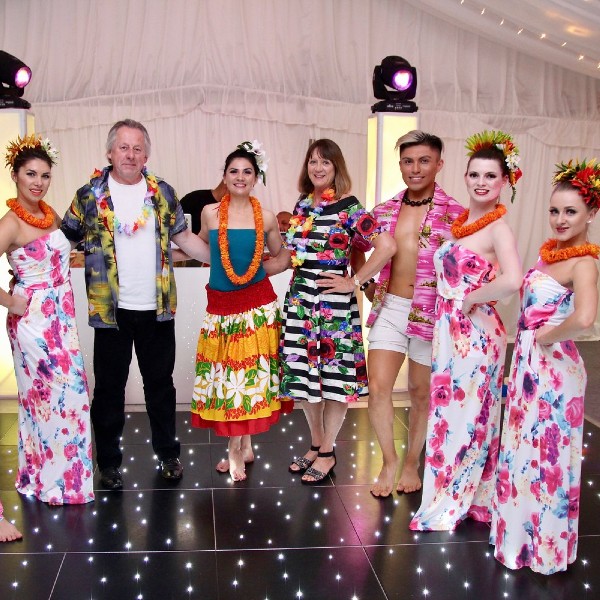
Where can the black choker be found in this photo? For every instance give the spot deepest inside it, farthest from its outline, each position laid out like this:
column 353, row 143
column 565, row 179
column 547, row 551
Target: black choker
column 405, row 200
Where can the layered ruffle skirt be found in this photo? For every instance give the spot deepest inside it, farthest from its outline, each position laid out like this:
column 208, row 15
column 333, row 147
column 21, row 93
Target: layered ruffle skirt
column 237, row 372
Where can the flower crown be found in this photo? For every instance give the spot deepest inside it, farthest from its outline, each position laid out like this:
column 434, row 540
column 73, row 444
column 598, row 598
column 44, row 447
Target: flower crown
column 585, row 176
column 255, row 147
column 30, row 141
column 503, row 142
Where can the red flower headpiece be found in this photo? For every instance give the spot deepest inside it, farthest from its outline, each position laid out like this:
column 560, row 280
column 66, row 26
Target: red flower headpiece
column 585, row 176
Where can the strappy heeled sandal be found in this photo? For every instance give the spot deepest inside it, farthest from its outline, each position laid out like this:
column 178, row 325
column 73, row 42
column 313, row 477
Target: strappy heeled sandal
column 302, row 462
column 317, row 475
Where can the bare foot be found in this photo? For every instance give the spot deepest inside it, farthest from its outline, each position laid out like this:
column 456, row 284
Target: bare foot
column 384, row 484
column 409, row 480
column 223, row 464
column 8, row 532
column 310, row 456
column 237, row 469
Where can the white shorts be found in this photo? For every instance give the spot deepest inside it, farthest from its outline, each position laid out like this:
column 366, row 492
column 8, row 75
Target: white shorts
column 389, row 331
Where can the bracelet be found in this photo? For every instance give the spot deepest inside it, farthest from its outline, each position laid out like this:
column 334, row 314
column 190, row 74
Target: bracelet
column 366, row 284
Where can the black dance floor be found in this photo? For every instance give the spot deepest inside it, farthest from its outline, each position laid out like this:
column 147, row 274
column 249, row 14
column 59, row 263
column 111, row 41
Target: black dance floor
column 268, row 538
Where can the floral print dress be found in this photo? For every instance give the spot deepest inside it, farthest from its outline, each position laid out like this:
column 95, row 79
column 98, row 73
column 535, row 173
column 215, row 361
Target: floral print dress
column 54, row 439
column 321, row 353
column 536, row 506
column 237, row 371
column 466, row 384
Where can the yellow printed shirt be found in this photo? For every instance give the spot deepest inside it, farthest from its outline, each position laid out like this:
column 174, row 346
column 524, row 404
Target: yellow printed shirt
column 91, row 218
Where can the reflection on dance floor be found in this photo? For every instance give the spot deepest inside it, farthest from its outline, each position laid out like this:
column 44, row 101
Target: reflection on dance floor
column 268, row 537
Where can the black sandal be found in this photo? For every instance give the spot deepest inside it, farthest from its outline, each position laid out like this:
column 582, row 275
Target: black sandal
column 319, row 475
column 302, row 462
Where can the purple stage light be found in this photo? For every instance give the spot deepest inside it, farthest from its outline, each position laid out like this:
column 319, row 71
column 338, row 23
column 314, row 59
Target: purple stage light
column 23, row 77
column 395, row 84
column 402, row 80
column 14, row 76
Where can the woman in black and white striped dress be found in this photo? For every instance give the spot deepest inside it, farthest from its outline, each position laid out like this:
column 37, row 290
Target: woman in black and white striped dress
column 322, row 355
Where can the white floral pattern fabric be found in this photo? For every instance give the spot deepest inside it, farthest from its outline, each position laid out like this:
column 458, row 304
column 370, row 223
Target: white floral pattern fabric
column 466, row 385
column 536, row 506
column 54, row 439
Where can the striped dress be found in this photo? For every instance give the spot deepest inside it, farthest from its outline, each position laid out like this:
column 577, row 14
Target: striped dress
column 321, row 352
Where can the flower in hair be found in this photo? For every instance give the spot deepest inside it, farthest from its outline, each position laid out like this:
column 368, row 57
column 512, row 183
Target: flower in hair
column 50, row 150
column 29, row 141
column 503, row 142
column 262, row 162
column 585, row 176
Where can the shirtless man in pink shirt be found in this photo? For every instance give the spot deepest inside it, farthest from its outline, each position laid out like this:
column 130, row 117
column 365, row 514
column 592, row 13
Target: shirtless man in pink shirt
column 402, row 316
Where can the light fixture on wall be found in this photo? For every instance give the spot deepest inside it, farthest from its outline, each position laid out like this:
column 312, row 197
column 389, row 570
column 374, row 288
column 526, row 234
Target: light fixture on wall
column 395, row 84
column 14, row 76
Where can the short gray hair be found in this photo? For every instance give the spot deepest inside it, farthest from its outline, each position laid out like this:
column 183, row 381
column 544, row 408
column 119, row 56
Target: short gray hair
column 112, row 134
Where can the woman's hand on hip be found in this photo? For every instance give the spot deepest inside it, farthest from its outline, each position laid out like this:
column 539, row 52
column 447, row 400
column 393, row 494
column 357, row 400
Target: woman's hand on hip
column 335, row 284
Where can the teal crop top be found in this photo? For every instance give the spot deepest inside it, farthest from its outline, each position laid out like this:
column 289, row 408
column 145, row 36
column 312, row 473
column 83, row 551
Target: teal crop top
column 241, row 250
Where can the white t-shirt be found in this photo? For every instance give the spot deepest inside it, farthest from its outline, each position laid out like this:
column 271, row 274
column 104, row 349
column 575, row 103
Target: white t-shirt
column 136, row 254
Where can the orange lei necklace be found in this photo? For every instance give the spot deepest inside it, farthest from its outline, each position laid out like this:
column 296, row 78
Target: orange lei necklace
column 26, row 216
column 224, row 242
column 460, row 230
column 549, row 254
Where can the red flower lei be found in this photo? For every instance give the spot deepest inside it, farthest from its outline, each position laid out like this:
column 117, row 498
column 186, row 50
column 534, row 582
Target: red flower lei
column 459, row 230
column 224, row 242
column 26, row 216
column 549, row 254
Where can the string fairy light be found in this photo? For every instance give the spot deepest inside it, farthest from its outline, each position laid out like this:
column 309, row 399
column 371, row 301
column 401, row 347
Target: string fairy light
column 559, row 45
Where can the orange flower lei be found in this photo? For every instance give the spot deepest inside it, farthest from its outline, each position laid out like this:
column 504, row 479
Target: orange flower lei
column 224, row 242
column 460, row 230
column 549, row 254
column 26, row 216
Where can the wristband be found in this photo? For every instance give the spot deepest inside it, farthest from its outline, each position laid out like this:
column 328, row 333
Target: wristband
column 366, row 284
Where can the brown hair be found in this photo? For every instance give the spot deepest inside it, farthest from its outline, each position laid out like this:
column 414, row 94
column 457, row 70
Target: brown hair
column 416, row 137
column 328, row 150
column 27, row 154
column 492, row 154
column 567, row 185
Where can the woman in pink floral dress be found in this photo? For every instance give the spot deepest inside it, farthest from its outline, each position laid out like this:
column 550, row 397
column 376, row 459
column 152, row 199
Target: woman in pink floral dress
column 54, row 441
column 479, row 266
column 536, row 506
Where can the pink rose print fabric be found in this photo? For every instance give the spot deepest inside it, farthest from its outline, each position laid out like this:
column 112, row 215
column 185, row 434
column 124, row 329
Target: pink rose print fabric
column 467, row 370
column 536, row 506
column 55, row 451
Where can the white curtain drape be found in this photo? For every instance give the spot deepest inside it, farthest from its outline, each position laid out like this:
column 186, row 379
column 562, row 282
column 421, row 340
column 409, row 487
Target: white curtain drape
column 204, row 76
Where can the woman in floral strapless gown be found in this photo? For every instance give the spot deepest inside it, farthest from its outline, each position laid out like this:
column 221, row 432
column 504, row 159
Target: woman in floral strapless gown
column 469, row 343
column 536, row 506
column 54, row 440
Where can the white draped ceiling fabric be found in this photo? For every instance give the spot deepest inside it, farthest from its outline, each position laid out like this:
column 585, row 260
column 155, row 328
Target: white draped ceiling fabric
column 204, row 75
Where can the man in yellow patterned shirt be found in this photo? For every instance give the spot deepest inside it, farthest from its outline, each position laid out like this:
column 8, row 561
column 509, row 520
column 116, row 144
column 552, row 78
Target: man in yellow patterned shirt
column 127, row 218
